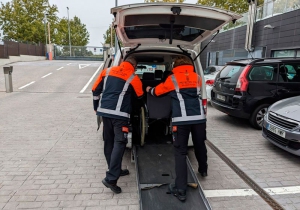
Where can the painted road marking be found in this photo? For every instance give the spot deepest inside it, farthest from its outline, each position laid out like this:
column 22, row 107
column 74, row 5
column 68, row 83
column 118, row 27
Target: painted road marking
column 250, row 192
column 69, row 64
column 60, row 68
column 26, row 85
column 81, row 66
column 46, row 75
column 87, row 84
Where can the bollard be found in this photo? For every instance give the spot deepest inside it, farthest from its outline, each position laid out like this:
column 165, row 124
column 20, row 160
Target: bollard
column 8, row 78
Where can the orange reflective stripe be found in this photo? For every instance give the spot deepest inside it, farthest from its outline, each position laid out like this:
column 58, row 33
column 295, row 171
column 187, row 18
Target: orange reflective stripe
column 99, row 79
column 165, row 87
column 125, row 129
column 137, row 86
column 174, row 128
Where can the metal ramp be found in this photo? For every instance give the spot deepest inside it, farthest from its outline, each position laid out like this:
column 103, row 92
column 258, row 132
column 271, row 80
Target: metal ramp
column 155, row 168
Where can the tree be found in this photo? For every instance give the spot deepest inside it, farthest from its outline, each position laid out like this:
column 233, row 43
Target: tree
column 238, row 6
column 79, row 33
column 24, row 19
column 107, row 36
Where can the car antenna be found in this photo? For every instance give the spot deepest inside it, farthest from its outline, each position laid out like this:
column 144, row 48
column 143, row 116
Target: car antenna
column 118, row 42
column 207, row 44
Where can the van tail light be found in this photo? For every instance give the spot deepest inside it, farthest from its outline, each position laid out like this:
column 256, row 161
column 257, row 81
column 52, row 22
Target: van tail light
column 242, row 83
column 210, row 82
column 204, row 103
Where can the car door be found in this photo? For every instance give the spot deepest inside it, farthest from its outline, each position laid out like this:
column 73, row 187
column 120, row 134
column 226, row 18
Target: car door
column 168, row 24
column 262, row 84
column 289, row 80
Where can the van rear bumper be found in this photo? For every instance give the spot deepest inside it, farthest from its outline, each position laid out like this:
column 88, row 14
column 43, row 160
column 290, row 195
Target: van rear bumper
column 236, row 112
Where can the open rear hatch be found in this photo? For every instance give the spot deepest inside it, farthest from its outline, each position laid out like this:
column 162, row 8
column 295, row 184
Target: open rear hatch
column 168, row 24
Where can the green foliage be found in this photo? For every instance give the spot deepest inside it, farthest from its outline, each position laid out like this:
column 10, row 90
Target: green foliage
column 107, row 36
column 79, row 34
column 238, row 6
column 24, row 20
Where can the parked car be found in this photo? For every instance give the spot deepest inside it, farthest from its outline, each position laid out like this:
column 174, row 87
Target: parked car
column 209, row 75
column 246, row 88
column 282, row 125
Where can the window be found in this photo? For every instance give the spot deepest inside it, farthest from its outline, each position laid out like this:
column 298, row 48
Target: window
column 284, row 53
column 298, row 54
column 262, row 73
column 289, row 72
column 231, row 73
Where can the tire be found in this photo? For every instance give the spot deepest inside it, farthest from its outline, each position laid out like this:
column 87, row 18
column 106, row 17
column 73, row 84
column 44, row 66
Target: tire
column 142, row 126
column 256, row 119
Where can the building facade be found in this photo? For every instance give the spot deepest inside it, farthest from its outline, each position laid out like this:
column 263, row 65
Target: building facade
column 276, row 34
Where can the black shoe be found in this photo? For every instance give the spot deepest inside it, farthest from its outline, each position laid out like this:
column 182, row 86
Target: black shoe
column 124, row 172
column 203, row 174
column 116, row 189
column 180, row 194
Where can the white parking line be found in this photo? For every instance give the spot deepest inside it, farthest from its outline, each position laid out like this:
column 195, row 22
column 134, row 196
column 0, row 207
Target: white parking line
column 87, row 84
column 26, row 85
column 60, row 68
column 250, row 192
column 46, row 75
column 69, row 64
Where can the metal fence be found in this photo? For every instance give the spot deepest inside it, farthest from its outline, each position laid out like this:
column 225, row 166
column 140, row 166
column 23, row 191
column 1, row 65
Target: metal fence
column 10, row 48
column 78, row 53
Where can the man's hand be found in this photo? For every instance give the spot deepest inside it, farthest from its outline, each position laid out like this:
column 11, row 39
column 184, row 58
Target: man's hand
column 148, row 89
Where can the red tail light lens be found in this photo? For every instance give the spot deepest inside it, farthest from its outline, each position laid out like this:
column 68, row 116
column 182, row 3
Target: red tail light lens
column 242, row 83
column 204, row 103
column 210, row 82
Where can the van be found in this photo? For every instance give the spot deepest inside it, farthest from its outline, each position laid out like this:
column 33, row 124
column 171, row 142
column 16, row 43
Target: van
column 155, row 33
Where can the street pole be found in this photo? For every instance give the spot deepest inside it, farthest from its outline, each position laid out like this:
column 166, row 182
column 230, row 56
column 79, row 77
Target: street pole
column 116, row 42
column 45, row 28
column 69, row 32
column 49, row 33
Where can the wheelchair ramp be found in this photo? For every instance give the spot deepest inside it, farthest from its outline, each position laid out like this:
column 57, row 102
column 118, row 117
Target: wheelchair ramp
column 155, row 166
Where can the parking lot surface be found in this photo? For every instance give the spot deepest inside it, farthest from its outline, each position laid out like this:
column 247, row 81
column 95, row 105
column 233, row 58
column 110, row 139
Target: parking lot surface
column 51, row 156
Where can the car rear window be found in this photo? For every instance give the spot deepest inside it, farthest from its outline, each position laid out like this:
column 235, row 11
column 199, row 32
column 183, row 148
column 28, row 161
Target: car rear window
column 231, row 73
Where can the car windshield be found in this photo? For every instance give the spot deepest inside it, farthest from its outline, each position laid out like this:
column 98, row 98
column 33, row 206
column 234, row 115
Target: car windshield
column 149, row 68
column 231, row 73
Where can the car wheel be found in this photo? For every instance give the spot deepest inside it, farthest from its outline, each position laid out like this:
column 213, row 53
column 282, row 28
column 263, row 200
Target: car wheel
column 258, row 115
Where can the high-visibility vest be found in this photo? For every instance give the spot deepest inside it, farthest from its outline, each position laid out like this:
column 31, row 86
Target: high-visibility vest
column 113, row 89
column 184, row 86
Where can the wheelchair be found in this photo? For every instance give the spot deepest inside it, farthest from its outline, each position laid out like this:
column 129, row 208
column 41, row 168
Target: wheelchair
column 151, row 110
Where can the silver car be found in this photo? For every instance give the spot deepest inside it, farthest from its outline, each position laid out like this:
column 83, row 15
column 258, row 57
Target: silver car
column 282, row 124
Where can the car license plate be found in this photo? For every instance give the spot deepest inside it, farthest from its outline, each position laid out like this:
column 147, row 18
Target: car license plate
column 275, row 130
column 220, row 97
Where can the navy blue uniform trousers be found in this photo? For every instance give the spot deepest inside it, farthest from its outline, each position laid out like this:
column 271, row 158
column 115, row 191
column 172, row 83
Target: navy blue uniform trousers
column 180, row 143
column 115, row 140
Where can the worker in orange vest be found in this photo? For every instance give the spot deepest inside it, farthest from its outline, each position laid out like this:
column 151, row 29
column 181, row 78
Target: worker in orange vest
column 188, row 116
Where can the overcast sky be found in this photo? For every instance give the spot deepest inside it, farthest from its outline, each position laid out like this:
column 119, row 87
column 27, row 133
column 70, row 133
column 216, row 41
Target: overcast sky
column 94, row 13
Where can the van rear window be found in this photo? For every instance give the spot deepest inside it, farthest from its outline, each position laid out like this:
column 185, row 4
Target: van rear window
column 231, row 73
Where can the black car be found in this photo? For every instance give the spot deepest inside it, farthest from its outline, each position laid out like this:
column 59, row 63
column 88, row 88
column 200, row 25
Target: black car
column 246, row 88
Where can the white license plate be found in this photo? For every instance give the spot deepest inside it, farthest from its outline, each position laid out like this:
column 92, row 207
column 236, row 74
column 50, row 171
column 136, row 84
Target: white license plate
column 220, row 97
column 275, row 130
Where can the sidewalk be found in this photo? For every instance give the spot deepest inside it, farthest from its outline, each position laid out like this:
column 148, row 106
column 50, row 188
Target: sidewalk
column 52, row 158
